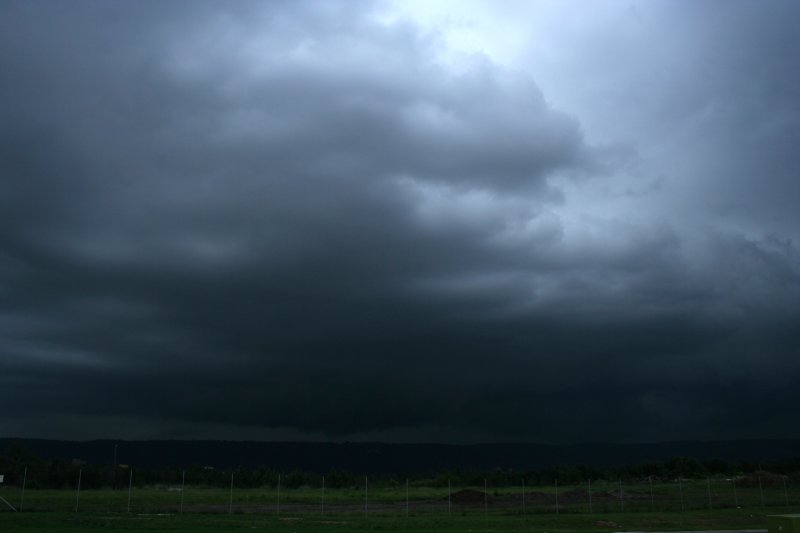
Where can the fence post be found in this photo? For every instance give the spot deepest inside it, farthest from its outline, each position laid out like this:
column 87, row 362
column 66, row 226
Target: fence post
column 708, row 486
column 130, row 486
column 183, row 488
column 230, row 500
column 556, row 495
column 590, row 496
column 322, row 506
column 25, row 479
column 485, row 498
column 78, row 495
column 785, row 494
column 523, row 495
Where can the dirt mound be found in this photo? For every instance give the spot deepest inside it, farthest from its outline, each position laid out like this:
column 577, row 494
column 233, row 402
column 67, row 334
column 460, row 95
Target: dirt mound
column 767, row 479
column 538, row 497
column 616, row 494
column 470, row 497
column 573, row 496
column 605, row 523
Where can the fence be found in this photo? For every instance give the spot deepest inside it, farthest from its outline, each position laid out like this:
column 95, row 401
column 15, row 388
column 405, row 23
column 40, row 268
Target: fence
column 591, row 496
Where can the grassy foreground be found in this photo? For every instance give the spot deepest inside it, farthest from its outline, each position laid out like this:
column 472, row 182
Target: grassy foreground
column 696, row 505
column 426, row 523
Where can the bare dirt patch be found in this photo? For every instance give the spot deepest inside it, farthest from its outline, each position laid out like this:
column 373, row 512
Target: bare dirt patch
column 470, row 497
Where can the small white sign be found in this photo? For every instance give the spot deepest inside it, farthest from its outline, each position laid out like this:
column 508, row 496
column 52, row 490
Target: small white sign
column 1, row 478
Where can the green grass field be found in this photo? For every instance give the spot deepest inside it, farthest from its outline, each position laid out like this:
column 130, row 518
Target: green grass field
column 690, row 505
column 425, row 523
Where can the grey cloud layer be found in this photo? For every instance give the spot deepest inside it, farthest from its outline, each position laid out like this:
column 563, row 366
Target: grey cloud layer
column 296, row 217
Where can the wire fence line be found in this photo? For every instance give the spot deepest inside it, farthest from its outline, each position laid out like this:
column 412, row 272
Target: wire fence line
column 592, row 496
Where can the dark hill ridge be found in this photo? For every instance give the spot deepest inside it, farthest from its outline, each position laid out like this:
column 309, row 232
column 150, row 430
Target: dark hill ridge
column 397, row 458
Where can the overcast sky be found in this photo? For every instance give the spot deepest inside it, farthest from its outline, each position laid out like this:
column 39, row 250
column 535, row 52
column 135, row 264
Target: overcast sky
column 447, row 221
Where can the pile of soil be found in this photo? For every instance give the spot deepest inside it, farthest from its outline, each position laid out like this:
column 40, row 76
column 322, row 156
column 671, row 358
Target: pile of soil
column 574, row 496
column 615, row 494
column 767, row 480
column 605, row 523
column 535, row 497
column 470, row 497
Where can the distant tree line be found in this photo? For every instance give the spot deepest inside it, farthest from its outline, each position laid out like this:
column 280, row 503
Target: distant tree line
column 16, row 462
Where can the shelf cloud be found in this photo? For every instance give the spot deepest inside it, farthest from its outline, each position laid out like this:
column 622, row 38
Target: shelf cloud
column 289, row 220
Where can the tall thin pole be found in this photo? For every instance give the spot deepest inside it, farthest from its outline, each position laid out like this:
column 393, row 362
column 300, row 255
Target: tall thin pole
column 708, row 487
column 590, row 496
column 114, row 481
column 230, row 500
column 556, row 495
column 485, row 498
column 406, row 497
column 785, row 494
column 449, row 504
column 130, row 486
column 680, row 488
column 366, row 496
column 322, row 505
column 621, row 498
column 523, row 495
column 735, row 497
column 279, row 494
column 25, row 479
column 652, row 501
column 761, row 490
column 183, row 488
column 78, row 494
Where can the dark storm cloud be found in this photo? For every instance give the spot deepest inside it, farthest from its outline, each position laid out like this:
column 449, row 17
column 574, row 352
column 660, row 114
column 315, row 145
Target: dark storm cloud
column 286, row 216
